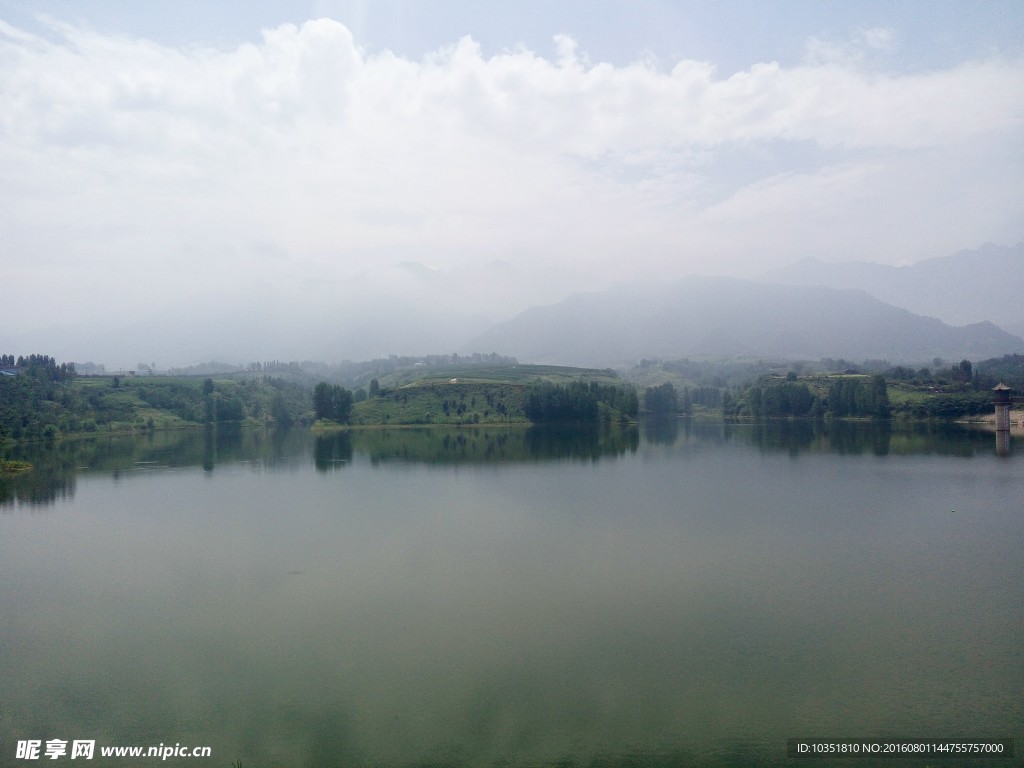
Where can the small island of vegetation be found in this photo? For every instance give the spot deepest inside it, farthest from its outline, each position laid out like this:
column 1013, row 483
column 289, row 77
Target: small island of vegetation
column 14, row 466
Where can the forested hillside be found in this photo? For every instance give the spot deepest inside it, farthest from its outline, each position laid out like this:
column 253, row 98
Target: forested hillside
column 42, row 399
column 488, row 395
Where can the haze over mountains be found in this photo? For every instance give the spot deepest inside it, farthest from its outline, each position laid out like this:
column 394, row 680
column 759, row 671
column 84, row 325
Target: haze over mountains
column 704, row 316
column 966, row 287
column 809, row 310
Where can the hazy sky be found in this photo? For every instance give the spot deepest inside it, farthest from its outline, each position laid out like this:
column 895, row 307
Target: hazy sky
column 160, row 158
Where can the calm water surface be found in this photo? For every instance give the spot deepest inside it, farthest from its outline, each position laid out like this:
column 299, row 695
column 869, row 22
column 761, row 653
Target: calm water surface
column 676, row 595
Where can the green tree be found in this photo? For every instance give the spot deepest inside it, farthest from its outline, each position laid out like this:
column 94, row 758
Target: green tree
column 661, row 399
column 342, row 400
column 685, row 403
column 879, row 399
column 279, row 410
column 228, row 408
column 322, row 406
column 855, row 397
column 331, row 402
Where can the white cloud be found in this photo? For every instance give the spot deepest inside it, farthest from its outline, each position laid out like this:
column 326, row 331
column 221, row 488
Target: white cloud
column 877, row 37
column 853, row 51
column 175, row 173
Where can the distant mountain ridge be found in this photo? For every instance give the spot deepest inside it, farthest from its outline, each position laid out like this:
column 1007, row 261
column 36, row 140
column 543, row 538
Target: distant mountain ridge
column 410, row 309
column 966, row 287
column 726, row 317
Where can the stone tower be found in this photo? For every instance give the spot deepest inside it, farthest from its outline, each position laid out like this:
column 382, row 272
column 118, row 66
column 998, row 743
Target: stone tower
column 1001, row 396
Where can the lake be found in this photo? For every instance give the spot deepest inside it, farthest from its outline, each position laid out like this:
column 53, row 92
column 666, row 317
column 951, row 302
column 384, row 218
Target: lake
column 676, row 594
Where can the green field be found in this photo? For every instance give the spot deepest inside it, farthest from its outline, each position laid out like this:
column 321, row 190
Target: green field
column 466, row 395
column 501, row 374
column 443, row 402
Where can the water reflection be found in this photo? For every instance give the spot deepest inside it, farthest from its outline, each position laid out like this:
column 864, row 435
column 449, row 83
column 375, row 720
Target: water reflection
column 663, row 431
column 489, row 445
column 56, row 465
column 1002, row 442
column 845, row 438
column 481, row 597
column 39, row 487
column 332, row 451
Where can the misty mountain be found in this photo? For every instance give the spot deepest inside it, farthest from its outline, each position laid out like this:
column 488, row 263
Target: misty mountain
column 243, row 333
column 729, row 317
column 411, row 309
column 403, row 309
column 967, row 287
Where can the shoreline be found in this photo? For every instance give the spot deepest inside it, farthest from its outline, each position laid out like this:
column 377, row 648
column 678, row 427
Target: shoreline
column 987, row 423
column 984, row 423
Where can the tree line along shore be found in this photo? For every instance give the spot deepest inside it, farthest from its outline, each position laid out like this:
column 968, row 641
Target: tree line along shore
column 42, row 399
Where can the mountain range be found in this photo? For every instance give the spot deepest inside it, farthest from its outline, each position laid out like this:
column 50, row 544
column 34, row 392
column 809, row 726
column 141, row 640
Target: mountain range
column 808, row 310
column 725, row 317
column 966, row 287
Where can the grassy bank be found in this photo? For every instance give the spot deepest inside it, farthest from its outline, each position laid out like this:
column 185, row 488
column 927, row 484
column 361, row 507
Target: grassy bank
column 444, row 401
